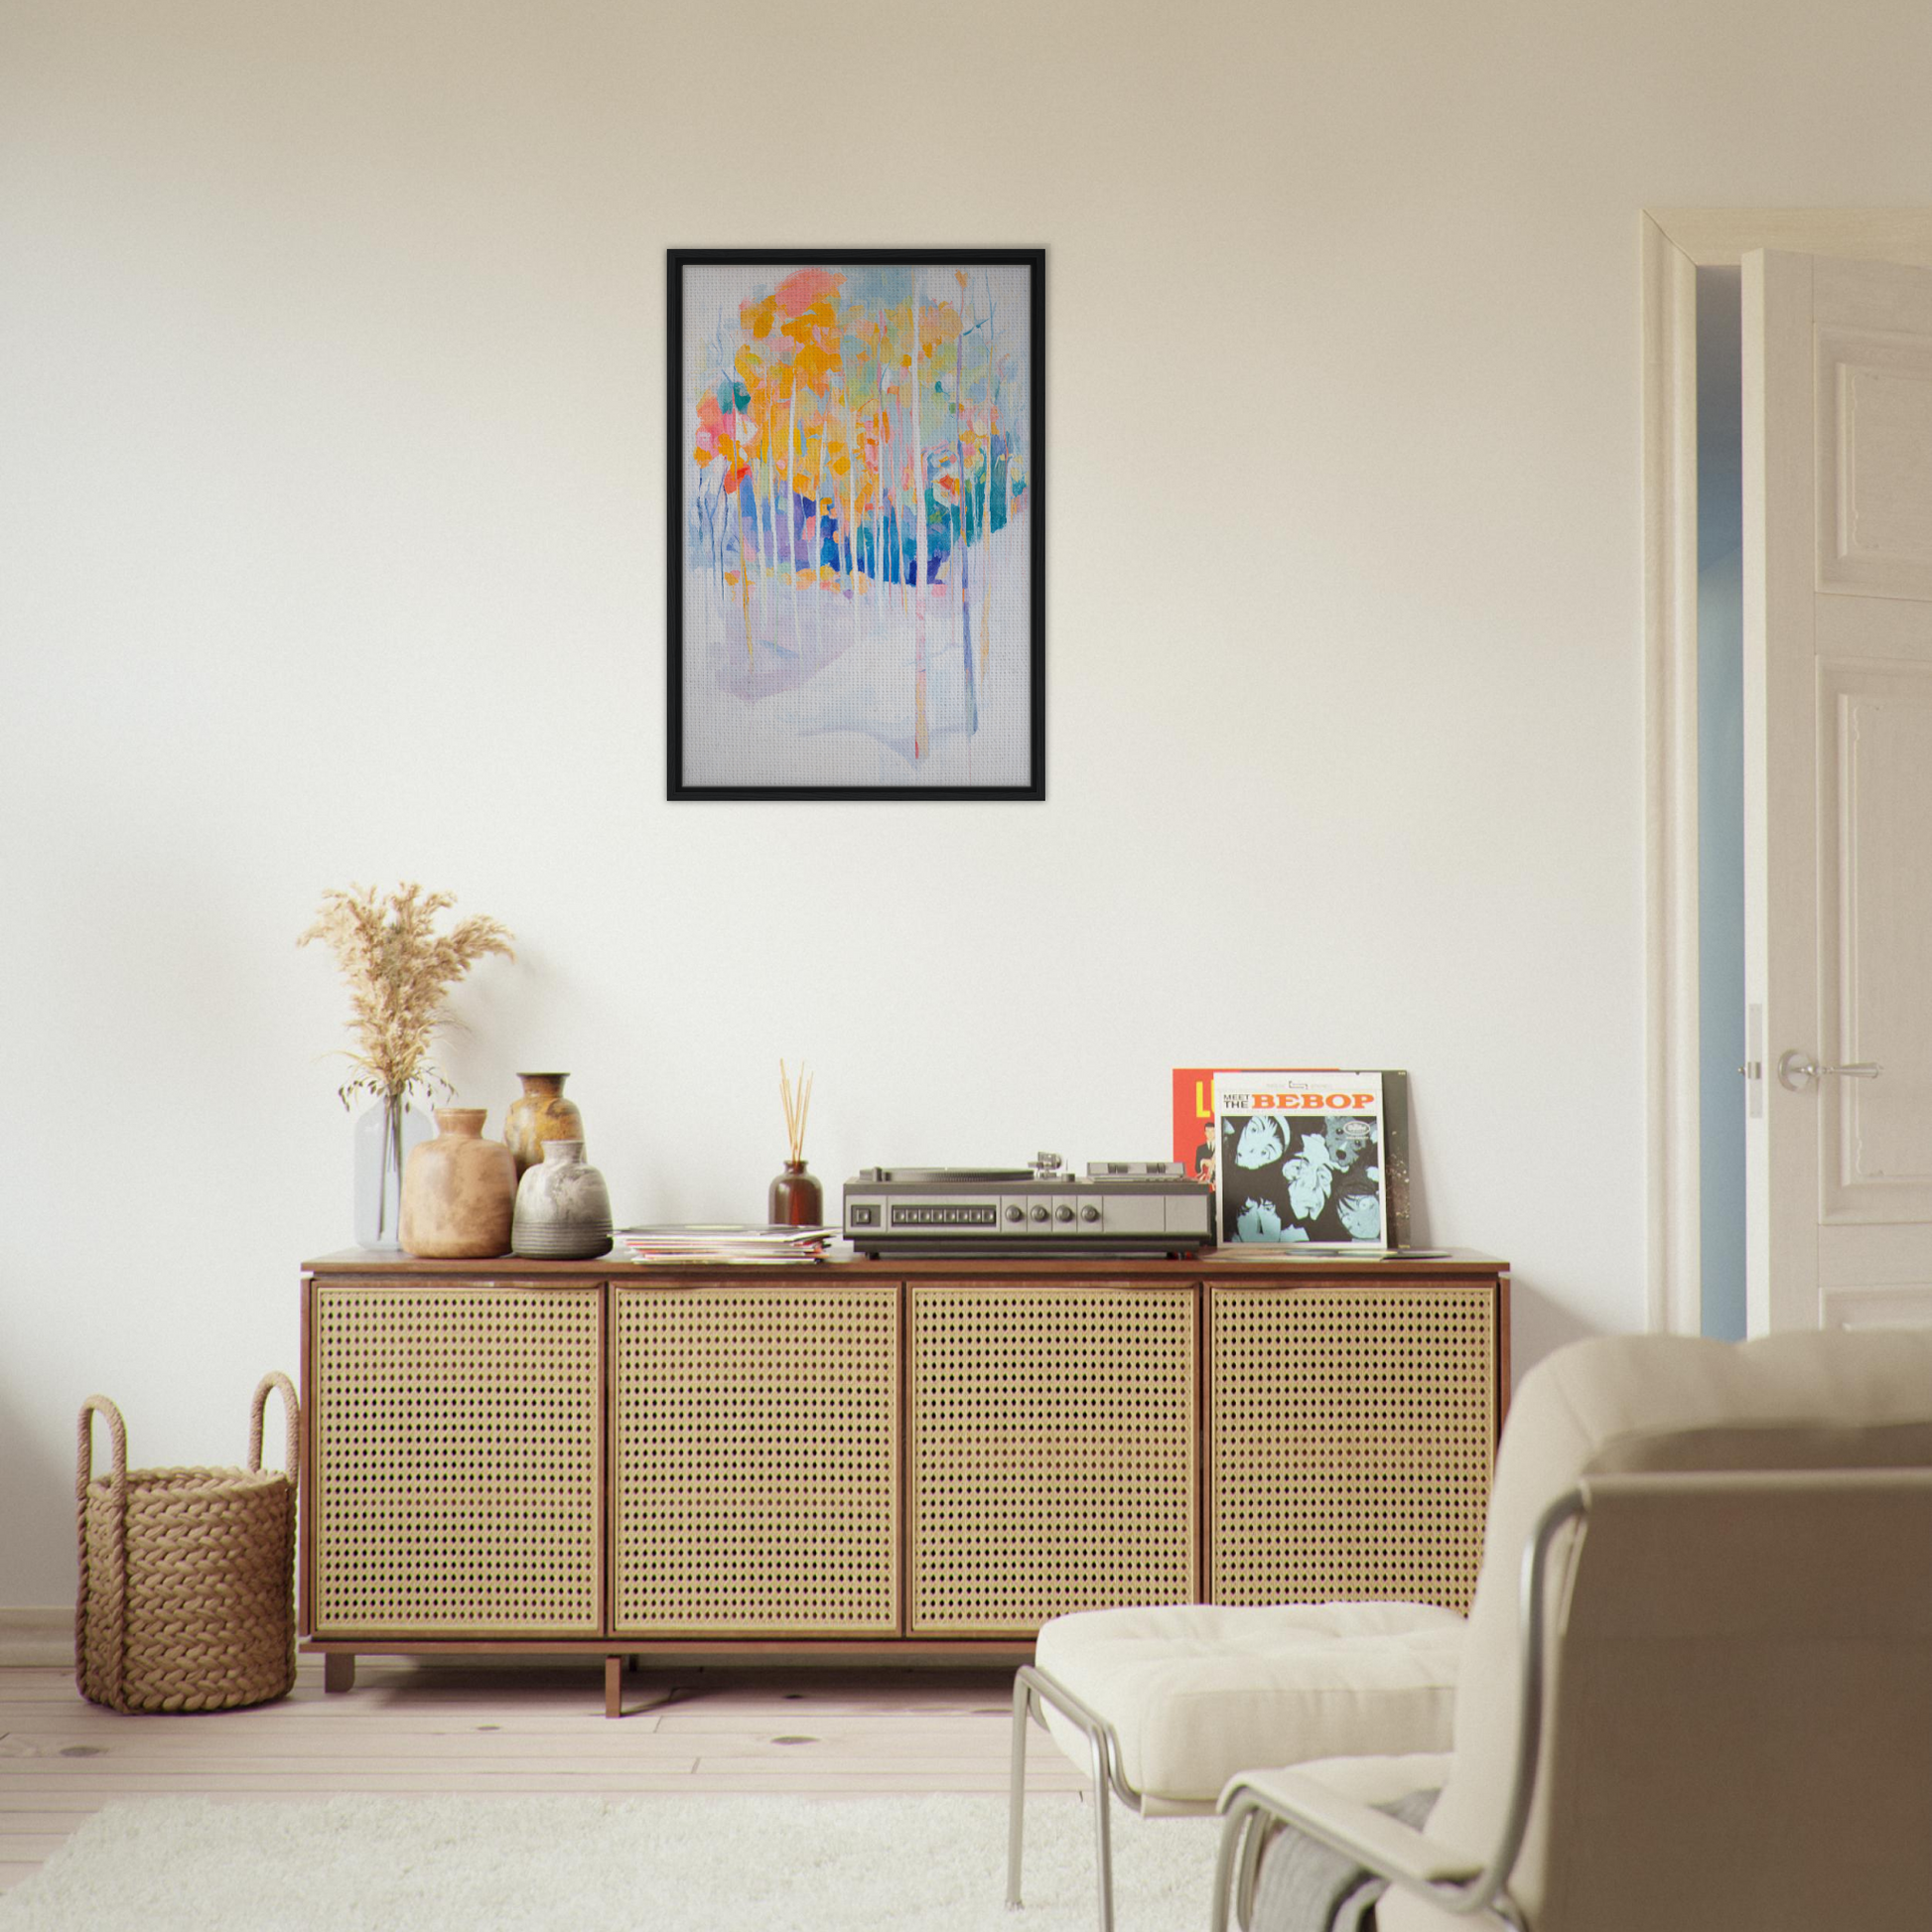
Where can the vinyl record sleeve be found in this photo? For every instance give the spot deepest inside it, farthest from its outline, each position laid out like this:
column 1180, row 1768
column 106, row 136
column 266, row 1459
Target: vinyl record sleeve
column 1197, row 1147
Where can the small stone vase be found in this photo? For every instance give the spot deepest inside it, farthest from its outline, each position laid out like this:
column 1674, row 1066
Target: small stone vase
column 563, row 1208
column 795, row 1199
column 458, row 1190
column 539, row 1114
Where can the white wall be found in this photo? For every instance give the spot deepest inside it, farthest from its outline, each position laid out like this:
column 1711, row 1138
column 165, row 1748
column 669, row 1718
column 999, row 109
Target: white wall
column 331, row 442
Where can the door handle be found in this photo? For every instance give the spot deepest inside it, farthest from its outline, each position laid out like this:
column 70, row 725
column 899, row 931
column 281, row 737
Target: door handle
column 1797, row 1070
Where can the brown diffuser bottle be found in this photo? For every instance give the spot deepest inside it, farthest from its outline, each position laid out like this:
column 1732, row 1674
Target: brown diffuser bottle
column 795, row 1199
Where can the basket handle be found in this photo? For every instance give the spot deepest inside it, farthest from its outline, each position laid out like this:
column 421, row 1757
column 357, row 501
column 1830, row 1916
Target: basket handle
column 117, row 1432
column 291, row 1409
column 112, row 1644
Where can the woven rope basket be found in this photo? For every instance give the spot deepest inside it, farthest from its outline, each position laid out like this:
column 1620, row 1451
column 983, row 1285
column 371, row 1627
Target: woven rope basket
column 186, row 1576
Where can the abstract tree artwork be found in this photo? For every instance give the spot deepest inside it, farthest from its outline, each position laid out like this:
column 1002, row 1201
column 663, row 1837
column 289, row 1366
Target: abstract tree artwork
column 855, row 547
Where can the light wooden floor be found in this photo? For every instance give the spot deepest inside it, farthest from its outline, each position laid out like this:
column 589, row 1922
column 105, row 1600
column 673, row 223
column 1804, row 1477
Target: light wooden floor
column 509, row 1729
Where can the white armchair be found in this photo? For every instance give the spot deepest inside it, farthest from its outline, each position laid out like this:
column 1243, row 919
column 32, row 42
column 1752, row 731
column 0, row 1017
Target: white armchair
column 1161, row 1706
column 1697, row 1683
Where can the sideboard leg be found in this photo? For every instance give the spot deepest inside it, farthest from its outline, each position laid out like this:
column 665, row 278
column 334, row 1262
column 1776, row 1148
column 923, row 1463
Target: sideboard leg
column 338, row 1670
column 613, row 1687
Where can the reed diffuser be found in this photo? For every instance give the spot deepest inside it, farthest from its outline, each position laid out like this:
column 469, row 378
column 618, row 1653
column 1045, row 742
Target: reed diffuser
column 796, row 1200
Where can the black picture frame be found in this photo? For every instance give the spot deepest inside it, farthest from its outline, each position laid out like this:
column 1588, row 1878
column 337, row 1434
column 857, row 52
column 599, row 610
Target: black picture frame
column 992, row 484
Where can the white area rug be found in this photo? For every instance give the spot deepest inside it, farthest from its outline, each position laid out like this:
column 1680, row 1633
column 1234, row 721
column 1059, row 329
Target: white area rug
column 764, row 1863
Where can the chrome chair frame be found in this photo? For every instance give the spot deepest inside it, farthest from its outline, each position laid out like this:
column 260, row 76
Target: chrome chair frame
column 1253, row 1816
column 1032, row 1689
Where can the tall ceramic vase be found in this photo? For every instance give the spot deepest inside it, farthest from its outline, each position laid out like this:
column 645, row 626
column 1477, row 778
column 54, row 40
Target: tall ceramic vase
column 541, row 1113
column 384, row 1136
column 458, row 1190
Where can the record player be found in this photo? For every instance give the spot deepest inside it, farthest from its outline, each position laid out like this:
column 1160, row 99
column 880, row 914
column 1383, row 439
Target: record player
column 1136, row 1207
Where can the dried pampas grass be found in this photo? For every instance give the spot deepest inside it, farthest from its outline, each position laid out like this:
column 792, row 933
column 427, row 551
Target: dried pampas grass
column 398, row 969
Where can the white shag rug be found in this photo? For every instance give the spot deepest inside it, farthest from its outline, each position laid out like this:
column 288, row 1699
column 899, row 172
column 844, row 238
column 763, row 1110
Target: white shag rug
column 758, row 1863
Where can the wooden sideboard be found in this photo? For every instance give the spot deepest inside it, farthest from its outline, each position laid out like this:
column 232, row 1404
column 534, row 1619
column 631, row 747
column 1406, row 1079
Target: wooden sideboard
column 879, row 1459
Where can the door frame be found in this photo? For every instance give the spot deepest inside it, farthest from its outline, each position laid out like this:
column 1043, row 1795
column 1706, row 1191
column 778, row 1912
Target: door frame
column 1675, row 243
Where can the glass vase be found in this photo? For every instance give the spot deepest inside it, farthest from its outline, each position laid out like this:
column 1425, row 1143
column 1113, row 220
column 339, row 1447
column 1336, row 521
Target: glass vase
column 795, row 1199
column 385, row 1135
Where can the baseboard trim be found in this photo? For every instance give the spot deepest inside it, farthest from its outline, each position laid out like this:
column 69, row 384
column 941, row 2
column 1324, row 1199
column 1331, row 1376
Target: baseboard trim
column 39, row 1635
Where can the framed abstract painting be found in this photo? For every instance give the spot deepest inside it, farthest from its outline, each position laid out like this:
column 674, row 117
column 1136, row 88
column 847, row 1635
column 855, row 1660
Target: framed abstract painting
column 856, row 549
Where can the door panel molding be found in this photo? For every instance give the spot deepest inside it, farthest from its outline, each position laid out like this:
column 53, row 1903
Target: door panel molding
column 1874, row 733
column 1856, row 1308
column 1874, row 433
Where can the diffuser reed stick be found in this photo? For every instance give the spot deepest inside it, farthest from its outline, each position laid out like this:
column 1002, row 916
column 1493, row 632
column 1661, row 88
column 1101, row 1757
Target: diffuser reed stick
column 797, row 1104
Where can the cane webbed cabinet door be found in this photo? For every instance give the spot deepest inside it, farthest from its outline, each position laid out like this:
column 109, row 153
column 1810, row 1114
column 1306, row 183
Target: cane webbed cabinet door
column 1351, row 1435
column 756, row 1454
column 1052, row 1440
column 457, row 1458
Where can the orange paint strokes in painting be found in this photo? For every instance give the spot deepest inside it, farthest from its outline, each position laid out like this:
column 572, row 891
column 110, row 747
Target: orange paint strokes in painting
column 797, row 292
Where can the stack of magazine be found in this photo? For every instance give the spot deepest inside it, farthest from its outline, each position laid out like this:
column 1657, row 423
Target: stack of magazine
column 732, row 1241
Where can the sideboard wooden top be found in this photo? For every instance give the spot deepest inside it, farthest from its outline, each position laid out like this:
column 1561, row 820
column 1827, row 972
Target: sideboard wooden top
column 1221, row 1264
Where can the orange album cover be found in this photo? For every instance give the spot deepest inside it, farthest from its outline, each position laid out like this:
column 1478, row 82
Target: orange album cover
column 1193, row 1112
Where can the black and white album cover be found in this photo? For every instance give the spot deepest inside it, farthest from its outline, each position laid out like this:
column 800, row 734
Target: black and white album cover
column 1301, row 1158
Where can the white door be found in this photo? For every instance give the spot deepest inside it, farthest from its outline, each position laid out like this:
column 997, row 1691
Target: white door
column 1837, row 783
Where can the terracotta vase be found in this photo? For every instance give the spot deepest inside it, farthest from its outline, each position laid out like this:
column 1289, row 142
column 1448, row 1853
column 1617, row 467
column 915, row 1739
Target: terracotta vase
column 540, row 1114
column 795, row 1199
column 458, row 1190
column 563, row 1208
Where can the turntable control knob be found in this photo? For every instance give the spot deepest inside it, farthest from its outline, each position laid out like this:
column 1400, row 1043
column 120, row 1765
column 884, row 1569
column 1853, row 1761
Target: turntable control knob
column 1016, row 1212
column 1063, row 1213
column 1090, row 1213
column 1039, row 1214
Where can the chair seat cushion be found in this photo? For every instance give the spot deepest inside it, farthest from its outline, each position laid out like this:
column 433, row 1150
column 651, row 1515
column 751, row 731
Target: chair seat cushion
column 1379, row 1780
column 1198, row 1691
